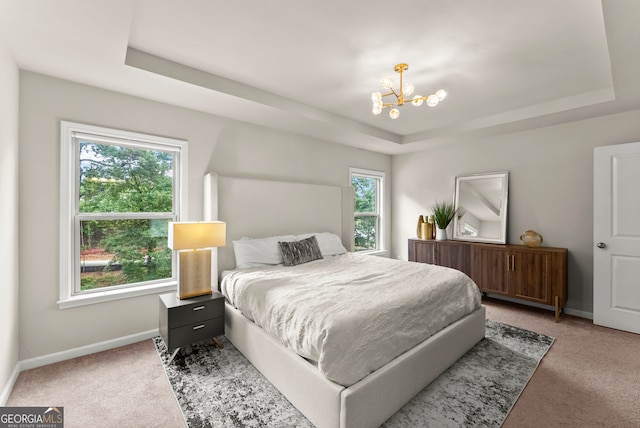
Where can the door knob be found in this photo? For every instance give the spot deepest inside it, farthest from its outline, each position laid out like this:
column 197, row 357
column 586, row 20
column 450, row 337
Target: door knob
column 601, row 245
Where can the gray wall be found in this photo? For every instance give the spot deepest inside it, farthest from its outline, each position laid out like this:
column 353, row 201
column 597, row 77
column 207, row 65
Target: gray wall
column 550, row 187
column 8, row 217
column 215, row 144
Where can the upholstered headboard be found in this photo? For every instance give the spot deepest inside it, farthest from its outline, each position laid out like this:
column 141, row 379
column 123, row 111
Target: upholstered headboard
column 261, row 208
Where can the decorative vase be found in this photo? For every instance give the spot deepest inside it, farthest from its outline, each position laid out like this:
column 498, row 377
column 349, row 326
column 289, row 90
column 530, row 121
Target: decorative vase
column 531, row 238
column 421, row 221
column 441, row 234
column 426, row 231
column 433, row 227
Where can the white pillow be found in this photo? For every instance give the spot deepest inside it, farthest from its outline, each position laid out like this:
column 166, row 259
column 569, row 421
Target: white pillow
column 262, row 252
column 329, row 243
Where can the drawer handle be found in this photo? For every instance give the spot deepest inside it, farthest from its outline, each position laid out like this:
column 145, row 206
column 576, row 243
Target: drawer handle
column 198, row 327
column 198, row 308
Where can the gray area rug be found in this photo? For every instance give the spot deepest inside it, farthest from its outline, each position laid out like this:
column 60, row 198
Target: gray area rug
column 220, row 388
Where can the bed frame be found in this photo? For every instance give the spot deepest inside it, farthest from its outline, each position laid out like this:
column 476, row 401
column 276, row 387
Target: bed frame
column 261, row 208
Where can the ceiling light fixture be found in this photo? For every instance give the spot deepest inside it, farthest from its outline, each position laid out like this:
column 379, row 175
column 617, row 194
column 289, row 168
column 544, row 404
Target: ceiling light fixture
column 405, row 91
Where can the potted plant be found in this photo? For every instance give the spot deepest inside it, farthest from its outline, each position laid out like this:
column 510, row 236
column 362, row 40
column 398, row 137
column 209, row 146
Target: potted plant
column 443, row 213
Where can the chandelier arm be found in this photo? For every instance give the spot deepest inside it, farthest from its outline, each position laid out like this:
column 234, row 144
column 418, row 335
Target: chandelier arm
column 393, row 92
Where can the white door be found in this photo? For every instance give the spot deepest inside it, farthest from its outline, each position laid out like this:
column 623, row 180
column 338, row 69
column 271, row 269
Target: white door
column 616, row 234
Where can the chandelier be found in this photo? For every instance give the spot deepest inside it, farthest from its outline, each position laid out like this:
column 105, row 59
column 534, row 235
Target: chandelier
column 405, row 90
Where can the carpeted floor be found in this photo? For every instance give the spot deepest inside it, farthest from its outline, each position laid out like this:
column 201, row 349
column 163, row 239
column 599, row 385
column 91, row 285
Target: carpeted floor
column 589, row 378
column 220, row 388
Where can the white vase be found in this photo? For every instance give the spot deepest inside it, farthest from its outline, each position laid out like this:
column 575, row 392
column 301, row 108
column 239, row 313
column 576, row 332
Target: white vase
column 441, row 234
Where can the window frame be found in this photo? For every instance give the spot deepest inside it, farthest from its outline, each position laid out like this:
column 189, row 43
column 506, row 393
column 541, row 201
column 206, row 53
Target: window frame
column 70, row 218
column 380, row 180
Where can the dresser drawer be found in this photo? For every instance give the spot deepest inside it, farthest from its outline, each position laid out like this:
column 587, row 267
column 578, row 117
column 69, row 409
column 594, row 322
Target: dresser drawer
column 195, row 332
column 193, row 313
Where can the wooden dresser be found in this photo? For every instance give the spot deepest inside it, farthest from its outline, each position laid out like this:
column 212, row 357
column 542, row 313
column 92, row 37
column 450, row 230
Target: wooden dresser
column 531, row 274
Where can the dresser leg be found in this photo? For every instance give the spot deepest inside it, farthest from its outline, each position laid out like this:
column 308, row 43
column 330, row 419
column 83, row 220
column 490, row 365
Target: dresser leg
column 217, row 342
column 557, row 310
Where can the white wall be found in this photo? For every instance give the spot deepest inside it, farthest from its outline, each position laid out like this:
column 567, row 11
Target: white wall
column 550, row 187
column 215, row 144
column 8, row 217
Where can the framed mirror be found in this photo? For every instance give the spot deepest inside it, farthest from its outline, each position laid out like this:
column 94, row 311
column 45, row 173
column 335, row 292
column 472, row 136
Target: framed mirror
column 483, row 198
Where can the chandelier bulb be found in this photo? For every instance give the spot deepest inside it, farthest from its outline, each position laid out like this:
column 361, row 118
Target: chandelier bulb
column 387, row 82
column 441, row 94
column 408, row 89
column 394, row 113
column 376, row 96
column 432, row 100
column 417, row 100
column 376, row 109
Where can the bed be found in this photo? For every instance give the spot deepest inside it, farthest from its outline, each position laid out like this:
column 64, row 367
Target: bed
column 333, row 397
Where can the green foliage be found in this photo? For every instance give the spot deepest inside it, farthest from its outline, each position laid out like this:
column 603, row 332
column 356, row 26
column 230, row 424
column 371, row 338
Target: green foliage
column 365, row 194
column 103, row 280
column 444, row 212
column 365, row 233
column 142, row 256
column 366, row 228
column 118, row 179
column 121, row 179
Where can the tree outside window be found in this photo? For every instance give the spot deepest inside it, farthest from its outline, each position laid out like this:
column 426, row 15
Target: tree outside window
column 123, row 249
column 119, row 191
column 367, row 189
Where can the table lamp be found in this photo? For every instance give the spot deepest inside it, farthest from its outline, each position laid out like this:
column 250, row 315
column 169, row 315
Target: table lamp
column 193, row 242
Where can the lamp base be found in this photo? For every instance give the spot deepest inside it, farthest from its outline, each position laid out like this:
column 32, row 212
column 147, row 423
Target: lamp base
column 194, row 273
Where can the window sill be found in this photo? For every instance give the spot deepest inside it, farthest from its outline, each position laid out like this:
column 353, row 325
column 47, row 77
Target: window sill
column 109, row 296
column 381, row 253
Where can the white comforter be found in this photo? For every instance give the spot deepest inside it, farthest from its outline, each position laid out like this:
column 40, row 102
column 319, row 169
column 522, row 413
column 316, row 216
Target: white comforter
column 352, row 313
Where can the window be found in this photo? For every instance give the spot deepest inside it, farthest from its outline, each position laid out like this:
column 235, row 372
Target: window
column 367, row 186
column 119, row 190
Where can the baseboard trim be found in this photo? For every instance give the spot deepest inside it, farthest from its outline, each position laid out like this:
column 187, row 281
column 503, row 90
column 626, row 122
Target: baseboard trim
column 9, row 386
column 81, row 351
column 568, row 311
column 577, row 313
column 68, row 354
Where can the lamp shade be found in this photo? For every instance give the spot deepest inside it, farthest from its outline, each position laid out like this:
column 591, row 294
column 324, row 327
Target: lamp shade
column 196, row 234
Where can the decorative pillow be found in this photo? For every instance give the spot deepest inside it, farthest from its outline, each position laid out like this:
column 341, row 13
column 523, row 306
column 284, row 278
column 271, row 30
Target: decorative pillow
column 251, row 253
column 298, row 252
column 329, row 243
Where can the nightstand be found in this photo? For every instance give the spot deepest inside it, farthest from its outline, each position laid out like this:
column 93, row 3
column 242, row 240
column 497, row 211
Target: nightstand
column 187, row 321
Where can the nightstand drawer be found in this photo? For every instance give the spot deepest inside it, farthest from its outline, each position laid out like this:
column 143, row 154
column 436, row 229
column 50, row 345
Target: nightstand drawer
column 195, row 332
column 186, row 321
column 193, row 313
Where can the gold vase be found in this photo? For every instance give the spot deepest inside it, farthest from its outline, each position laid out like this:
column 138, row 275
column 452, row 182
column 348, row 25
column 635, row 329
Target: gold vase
column 434, row 228
column 426, row 231
column 421, row 221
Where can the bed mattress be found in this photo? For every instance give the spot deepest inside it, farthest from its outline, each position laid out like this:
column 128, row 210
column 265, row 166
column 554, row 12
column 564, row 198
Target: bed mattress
column 351, row 314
